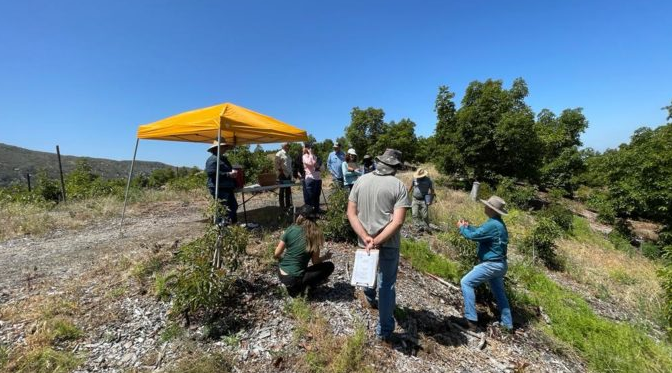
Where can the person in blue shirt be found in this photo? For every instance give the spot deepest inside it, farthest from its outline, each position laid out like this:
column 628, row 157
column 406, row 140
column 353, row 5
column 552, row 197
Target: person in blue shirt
column 492, row 238
column 334, row 163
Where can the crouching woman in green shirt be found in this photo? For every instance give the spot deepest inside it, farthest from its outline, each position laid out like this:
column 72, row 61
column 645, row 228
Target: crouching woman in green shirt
column 300, row 243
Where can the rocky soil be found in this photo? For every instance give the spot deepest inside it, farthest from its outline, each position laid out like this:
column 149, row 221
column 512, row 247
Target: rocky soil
column 126, row 329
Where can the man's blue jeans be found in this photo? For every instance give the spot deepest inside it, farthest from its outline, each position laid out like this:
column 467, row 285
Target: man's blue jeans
column 388, row 262
column 493, row 272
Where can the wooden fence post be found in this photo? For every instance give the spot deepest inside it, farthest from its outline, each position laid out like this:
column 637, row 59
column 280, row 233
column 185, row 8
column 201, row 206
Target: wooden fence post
column 28, row 178
column 60, row 168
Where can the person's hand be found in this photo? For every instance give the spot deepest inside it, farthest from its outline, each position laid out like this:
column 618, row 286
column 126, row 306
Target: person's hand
column 368, row 244
column 462, row 223
column 328, row 255
column 234, row 172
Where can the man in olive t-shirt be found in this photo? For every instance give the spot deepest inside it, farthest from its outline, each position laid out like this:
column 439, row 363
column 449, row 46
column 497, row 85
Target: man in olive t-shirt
column 376, row 211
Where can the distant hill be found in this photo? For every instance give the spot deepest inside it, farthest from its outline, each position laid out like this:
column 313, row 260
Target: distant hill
column 15, row 162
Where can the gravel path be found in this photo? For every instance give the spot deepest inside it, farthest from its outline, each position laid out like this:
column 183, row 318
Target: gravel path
column 64, row 253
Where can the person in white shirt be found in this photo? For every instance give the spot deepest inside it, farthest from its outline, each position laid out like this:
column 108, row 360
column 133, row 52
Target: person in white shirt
column 283, row 169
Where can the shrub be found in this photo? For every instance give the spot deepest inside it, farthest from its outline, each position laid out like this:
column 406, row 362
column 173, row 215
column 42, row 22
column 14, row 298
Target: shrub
column 516, row 195
column 559, row 214
column 189, row 182
column 198, row 287
column 665, row 275
column 620, row 242
column 601, row 203
column 335, row 223
column 651, row 250
column 540, row 243
column 160, row 177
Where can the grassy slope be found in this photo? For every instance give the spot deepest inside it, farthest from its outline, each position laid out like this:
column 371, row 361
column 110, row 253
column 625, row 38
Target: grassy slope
column 604, row 344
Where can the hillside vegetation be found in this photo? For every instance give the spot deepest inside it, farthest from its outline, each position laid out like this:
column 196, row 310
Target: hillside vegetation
column 15, row 162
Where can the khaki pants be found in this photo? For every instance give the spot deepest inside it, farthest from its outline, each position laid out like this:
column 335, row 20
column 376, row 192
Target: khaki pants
column 420, row 212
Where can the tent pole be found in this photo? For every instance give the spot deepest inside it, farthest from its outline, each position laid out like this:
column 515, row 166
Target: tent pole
column 128, row 185
column 219, row 150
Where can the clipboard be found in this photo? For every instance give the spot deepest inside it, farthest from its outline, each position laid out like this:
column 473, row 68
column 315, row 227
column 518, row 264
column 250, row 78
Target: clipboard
column 365, row 268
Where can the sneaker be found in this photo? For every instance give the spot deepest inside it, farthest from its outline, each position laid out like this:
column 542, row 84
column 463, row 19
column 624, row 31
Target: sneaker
column 366, row 302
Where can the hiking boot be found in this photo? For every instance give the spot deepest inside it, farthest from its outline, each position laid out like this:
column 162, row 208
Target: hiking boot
column 467, row 324
column 366, row 302
column 389, row 341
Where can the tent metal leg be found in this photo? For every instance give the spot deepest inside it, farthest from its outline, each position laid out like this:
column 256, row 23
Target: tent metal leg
column 244, row 208
column 128, row 186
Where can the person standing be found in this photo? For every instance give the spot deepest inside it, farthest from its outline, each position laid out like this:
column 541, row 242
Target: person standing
column 227, row 179
column 283, row 167
column 313, row 182
column 334, row 164
column 368, row 165
column 351, row 171
column 423, row 195
column 299, row 244
column 493, row 239
column 376, row 211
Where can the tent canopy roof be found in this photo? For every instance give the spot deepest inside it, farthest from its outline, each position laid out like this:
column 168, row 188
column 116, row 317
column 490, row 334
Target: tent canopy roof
column 238, row 126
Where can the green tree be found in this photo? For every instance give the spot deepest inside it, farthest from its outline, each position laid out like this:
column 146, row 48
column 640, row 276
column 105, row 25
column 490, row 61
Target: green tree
column 365, row 128
column 400, row 136
column 560, row 140
column 492, row 133
column 446, row 156
column 638, row 175
column 426, row 149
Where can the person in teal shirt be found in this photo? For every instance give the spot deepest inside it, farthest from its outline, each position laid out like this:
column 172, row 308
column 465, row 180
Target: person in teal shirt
column 300, row 243
column 351, row 171
column 493, row 239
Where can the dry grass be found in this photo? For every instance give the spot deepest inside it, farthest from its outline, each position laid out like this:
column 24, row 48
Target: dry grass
column 629, row 280
column 18, row 219
column 324, row 351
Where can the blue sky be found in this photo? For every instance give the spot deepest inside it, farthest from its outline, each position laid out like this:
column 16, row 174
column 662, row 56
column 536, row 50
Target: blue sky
column 85, row 74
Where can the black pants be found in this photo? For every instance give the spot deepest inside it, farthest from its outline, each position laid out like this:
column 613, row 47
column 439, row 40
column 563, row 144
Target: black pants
column 228, row 198
column 285, row 194
column 313, row 188
column 313, row 276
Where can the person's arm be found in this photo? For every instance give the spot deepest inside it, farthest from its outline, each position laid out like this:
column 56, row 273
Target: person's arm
column 357, row 225
column 211, row 167
column 482, row 233
column 391, row 228
column 317, row 259
column 279, row 165
column 279, row 250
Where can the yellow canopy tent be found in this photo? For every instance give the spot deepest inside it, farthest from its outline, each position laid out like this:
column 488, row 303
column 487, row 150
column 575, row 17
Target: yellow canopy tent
column 236, row 125
column 225, row 122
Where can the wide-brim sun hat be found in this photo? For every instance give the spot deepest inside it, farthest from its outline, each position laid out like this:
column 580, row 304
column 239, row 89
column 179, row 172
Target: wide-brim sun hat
column 352, row 151
column 391, row 157
column 420, row 173
column 367, row 157
column 216, row 144
column 496, row 204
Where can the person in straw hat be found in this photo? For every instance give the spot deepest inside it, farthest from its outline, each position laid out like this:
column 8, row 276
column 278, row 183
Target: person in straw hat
column 423, row 196
column 227, row 179
column 376, row 210
column 492, row 238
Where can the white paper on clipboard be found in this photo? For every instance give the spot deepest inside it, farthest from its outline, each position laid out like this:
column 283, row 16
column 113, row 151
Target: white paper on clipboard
column 365, row 268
